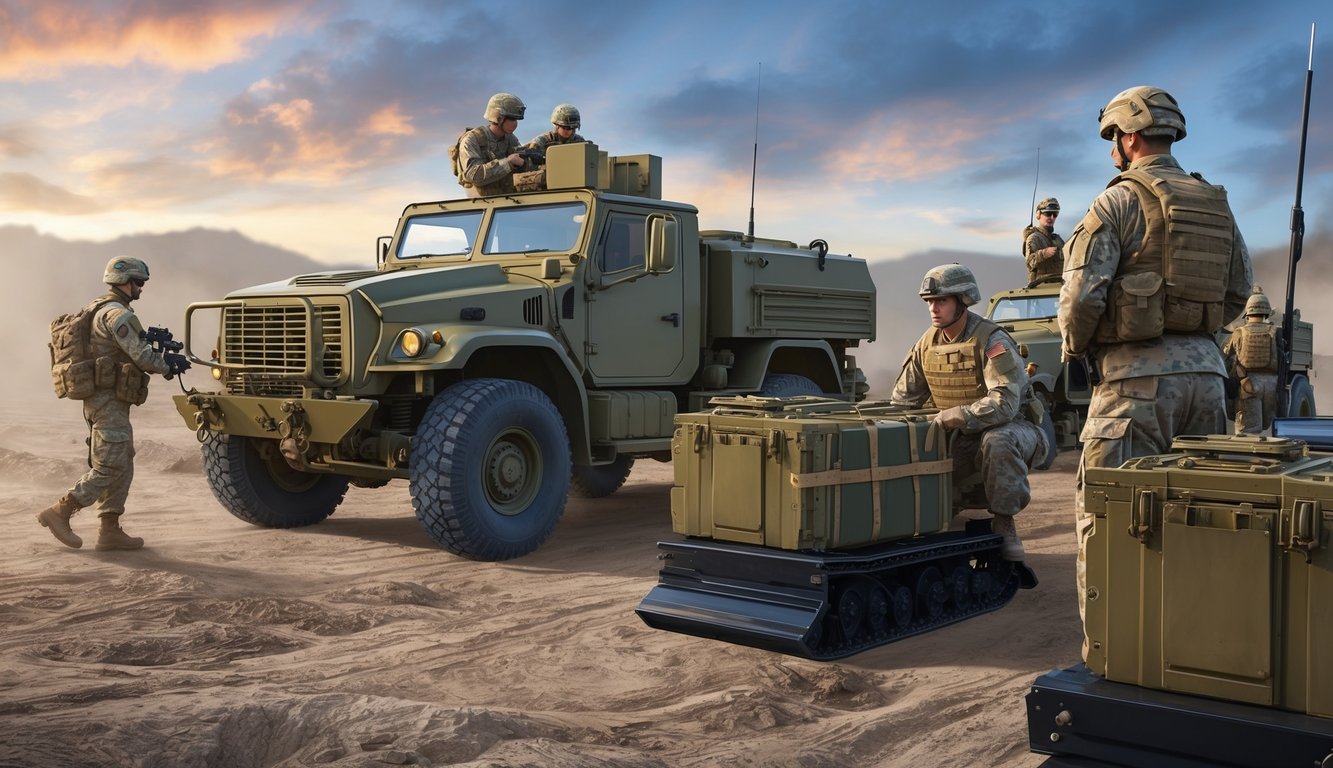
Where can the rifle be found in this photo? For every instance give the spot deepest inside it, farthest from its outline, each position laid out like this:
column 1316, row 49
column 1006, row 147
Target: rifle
column 161, row 341
column 534, row 156
column 1294, row 254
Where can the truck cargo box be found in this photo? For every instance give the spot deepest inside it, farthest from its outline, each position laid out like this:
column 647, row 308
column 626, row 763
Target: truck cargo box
column 1209, row 572
column 808, row 473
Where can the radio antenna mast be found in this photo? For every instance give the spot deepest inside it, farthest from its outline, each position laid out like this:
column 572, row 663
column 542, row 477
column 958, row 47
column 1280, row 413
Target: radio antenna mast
column 1032, row 208
column 754, row 161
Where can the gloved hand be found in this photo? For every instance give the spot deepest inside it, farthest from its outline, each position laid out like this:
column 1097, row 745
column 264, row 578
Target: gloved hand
column 177, row 363
column 951, row 418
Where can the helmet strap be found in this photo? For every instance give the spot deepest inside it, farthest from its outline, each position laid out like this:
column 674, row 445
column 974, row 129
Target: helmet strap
column 1123, row 163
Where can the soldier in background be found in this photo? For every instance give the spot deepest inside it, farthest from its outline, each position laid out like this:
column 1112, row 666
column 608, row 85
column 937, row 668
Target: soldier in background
column 488, row 156
column 566, row 122
column 118, row 346
column 1128, row 311
column 1042, row 247
column 1252, row 357
column 971, row 370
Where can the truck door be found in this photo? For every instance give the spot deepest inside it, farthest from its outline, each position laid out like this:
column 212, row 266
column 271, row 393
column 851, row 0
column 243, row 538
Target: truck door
column 636, row 328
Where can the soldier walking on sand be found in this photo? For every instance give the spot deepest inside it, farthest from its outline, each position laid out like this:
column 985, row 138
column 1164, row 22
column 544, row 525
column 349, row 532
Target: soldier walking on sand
column 971, row 370
column 109, row 376
column 1142, row 297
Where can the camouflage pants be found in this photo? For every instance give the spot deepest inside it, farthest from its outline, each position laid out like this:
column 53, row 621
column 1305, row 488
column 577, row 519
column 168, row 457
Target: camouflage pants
column 1140, row 417
column 996, row 463
column 111, row 453
column 1256, row 404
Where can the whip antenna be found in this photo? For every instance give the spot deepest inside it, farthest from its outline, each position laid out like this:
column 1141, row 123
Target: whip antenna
column 1032, row 208
column 754, row 161
column 1294, row 253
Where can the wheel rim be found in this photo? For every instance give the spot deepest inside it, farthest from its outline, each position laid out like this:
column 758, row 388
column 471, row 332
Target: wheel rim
column 960, row 585
column 283, row 476
column 851, row 612
column 512, row 471
column 930, row 592
column 877, row 610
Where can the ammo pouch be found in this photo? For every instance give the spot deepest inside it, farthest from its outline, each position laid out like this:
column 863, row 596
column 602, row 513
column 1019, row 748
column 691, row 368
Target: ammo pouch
column 76, row 381
column 131, row 384
column 1134, row 309
column 106, row 372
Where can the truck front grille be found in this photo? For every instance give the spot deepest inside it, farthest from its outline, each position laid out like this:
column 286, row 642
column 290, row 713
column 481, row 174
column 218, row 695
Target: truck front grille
column 268, row 346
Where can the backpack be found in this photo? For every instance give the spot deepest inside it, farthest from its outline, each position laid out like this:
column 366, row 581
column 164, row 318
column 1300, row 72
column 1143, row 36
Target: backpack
column 74, row 371
column 453, row 155
column 1027, row 232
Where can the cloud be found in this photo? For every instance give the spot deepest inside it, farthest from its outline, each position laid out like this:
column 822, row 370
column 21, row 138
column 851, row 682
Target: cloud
column 25, row 192
column 41, row 39
column 18, row 141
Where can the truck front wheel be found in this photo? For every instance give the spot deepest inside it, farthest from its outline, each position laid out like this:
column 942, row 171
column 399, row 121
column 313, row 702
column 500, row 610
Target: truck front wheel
column 490, row 469
column 259, row 487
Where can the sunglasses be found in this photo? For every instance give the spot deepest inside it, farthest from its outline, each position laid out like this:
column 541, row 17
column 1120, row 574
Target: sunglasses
column 136, row 282
column 1052, row 214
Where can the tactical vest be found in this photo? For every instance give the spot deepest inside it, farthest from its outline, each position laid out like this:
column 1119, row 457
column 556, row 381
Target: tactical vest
column 1051, row 267
column 955, row 371
column 1177, row 281
column 1256, row 351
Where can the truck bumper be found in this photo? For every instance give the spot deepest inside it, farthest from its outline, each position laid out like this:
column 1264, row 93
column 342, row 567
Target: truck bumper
column 325, row 421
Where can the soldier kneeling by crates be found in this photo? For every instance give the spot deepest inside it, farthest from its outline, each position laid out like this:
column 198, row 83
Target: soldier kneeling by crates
column 972, row 371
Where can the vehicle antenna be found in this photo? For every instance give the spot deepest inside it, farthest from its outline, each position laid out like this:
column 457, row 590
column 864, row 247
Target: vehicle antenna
column 754, row 162
column 1032, row 208
column 1297, row 242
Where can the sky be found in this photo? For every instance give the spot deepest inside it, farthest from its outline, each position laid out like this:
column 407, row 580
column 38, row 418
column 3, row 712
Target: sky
column 886, row 128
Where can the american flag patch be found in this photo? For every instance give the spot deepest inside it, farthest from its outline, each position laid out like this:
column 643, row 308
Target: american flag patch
column 995, row 350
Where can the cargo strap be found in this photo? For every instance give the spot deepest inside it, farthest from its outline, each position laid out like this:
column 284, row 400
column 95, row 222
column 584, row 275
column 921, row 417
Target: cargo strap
column 876, row 474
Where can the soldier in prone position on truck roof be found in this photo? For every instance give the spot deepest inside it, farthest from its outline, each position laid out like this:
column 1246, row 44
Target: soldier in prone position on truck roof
column 1043, row 249
column 971, row 369
column 1145, row 323
column 1252, row 356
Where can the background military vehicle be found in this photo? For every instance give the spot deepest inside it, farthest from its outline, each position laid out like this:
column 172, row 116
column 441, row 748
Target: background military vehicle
column 1029, row 314
column 507, row 350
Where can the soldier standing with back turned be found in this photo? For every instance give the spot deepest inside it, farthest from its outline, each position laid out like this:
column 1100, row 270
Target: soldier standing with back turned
column 1136, row 310
column 123, row 360
column 1252, row 356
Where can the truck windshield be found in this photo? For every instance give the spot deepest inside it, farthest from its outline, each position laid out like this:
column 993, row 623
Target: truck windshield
column 1025, row 308
column 535, row 229
column 439, row 234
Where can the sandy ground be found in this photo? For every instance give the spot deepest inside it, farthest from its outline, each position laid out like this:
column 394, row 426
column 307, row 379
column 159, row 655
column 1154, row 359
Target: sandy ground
column 357, row 642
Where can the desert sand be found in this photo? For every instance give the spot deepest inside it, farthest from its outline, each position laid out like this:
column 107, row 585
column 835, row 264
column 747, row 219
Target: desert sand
column 358, row 642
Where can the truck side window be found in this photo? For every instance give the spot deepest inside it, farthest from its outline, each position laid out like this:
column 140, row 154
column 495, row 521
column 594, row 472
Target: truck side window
column 623, row 248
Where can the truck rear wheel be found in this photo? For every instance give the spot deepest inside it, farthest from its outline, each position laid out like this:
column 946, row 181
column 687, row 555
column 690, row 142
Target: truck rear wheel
column 1301, row 400
column 490, row 469
column 261, row 489
column 594, row 482
column 788, row 385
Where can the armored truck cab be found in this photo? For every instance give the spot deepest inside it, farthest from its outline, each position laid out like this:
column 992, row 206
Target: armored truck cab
column 506, row 350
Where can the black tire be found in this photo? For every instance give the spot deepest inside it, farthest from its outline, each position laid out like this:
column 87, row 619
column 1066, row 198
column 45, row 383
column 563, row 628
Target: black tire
column 490, row 469
column 594, row 482
column 788, row 385
column 1047, row 428
column 267, row 492
column 1301, row 400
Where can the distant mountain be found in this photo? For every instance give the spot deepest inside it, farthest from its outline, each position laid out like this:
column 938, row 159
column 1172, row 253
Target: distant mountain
column 52, row 276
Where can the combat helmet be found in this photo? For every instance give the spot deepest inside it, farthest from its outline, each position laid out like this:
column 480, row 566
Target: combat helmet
column 122, row 269
column 1048, row 205
column 1258, row 304
column 504, row 105
column 951, row 280
column 566, row 116
column 1142, row 109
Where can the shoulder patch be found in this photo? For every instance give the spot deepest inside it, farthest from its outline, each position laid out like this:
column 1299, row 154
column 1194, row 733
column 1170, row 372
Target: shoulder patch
column 122, row 330
column 1091, row 222
column 995, row 350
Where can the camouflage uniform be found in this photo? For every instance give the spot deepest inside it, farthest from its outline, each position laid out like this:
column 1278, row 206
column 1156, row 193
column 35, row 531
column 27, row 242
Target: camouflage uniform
column 483, row 162
column 1256, row 403
column 996, row 445
column 1150, row 391
column 1039, row 266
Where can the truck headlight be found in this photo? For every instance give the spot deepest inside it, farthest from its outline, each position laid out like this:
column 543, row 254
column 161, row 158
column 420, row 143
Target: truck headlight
column 411, row 343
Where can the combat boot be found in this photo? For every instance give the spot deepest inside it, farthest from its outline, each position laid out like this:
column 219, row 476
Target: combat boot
column 112, row 537
column 1011, row 547
column 56, row 518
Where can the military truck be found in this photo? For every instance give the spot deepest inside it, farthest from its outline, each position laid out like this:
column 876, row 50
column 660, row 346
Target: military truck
column 1029, row 314
column 505, row 351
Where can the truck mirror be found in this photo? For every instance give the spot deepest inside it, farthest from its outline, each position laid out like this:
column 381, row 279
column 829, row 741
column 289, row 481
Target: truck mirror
column 662, row 244
column 382, row 250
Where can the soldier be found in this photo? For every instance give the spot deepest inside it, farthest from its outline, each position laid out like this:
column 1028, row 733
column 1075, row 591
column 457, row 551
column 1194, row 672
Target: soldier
column 488, row 156
column 1133, row 311
column 123, row 361
column 1042, row 248
column 971, row 370
column 1252, row 356
column 565, row 119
